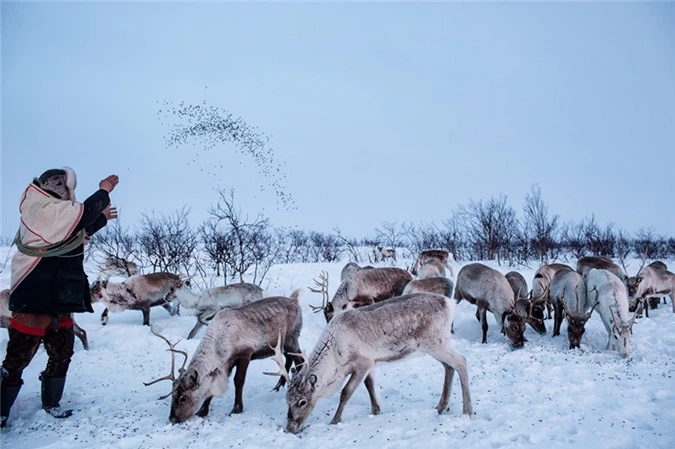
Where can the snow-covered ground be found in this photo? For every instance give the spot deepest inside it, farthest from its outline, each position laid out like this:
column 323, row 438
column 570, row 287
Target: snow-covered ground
column 541, row 396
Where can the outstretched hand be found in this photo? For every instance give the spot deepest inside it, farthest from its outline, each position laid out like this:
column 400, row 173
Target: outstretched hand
column 109, row 183
column 110, row 212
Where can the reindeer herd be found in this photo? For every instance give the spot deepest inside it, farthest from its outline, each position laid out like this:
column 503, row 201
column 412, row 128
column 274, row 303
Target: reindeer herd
column 375, row 316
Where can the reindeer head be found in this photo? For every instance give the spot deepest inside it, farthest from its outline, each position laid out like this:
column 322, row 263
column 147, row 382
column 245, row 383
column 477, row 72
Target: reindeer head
column 192, row 388
column 301, row 398
column 576, row 323
column 621, row 332
column 632, row 284
column 535, row 317
column 97, row 290
column 514, row 323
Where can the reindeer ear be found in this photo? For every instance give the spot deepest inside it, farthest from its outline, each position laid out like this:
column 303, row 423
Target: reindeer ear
column 190, row 380
column 638, row 279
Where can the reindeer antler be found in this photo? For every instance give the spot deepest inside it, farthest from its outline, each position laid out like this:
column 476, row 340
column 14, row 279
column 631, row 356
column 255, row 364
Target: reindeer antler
column 322, row 283
column 280, row 361
column 171, row 376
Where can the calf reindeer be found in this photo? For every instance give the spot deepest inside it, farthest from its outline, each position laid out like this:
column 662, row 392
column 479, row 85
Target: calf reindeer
column 357, row 340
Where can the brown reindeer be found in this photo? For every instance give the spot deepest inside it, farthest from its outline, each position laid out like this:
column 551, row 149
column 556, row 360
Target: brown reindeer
column 364, row 287
column 587, row 263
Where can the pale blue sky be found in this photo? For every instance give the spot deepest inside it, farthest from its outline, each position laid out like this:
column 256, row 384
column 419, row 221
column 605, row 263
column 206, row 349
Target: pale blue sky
column 380, row 112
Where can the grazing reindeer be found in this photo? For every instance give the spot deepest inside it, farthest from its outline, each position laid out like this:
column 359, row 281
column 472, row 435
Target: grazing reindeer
column 650, row 282
column 206, row 304
column 364, row 287
column 519, row 286
column 6, row 317
column 568, row 293
column 357, row 340
column 541, row 281
column 440, row 255
column 234, row 338
column 137, row 293
column 587, row 263
column 489, row 290
column 612, row 307
column 117, row 266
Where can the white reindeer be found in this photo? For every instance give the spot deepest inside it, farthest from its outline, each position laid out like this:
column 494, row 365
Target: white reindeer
column 206, row 304
column 356, row 341
column 612, row 307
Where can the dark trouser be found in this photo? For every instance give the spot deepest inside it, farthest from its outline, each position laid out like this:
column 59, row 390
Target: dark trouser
column 21, row 349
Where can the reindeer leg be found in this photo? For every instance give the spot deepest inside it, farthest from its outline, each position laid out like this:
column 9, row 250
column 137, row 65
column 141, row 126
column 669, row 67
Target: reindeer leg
column 447, row 386
column 104, row 317
column 204, row 409
column 370, row 386
column 82, row 335
column 356, row 378
column 239, row 378
column 484, row 324
column 194, row 330
column 146, row 316
column 557, row 319
column 453, row 361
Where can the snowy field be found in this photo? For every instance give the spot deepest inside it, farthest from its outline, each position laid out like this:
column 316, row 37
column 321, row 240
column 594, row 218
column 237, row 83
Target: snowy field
column 541, row 396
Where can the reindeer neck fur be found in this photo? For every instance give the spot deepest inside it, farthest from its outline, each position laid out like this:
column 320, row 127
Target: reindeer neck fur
column 187, row 298
column 328, row 365
column 209, row 356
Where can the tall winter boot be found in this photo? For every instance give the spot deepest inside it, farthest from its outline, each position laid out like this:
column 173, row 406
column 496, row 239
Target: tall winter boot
column 51, row 392
column 8, row 394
